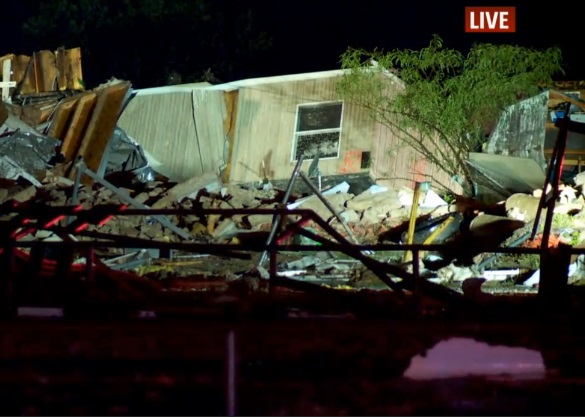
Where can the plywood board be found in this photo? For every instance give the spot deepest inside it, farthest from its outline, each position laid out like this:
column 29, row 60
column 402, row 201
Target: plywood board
column 19, row 68
column 70, row 76
column 77, row 125
column 102, row 124
column 28, row 84
column 62, row 117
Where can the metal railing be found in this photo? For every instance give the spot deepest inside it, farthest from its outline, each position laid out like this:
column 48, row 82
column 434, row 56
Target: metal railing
column 292, row 222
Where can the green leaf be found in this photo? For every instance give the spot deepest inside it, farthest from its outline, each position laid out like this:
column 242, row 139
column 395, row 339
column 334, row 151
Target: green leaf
column 449, row 96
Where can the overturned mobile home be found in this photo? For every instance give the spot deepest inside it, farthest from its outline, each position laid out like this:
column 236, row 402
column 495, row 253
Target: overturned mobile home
column 255, row 129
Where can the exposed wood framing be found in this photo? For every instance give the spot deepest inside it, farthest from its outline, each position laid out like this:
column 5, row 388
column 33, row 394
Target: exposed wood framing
column 77, row 125
column 102, row 124
column 46, row 71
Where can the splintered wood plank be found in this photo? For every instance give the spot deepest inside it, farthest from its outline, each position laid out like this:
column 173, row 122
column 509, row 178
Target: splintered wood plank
column 102, row 124
column 45, row 71
column 77, row 126
column 35, row 114
column 27, row 78
column 70, row 76
column 62, row 117
column 19, row 67
column 229, row 129
column 7, row 56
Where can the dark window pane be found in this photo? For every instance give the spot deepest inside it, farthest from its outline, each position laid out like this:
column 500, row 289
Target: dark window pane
column 366, row 160
column 326, row 143
column 320, row 116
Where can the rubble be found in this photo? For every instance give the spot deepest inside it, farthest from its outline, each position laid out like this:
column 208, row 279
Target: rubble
column 60, row 146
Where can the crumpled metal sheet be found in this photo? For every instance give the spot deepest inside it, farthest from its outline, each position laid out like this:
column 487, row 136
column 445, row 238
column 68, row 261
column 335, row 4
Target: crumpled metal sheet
column 30, row 151
column 12, row 171
column 126, row 155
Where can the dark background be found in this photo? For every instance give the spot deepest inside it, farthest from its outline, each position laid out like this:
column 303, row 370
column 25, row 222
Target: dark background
column 303, row 35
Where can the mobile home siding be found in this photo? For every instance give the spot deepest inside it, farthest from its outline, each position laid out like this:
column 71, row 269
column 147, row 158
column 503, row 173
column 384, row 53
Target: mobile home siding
column 266, row 125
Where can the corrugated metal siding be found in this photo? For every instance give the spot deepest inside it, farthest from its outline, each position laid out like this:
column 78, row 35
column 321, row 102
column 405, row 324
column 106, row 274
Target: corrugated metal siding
column 519, row 131
column 164, row 124
column 210, row 112
column 266, row 125
column 396, row 164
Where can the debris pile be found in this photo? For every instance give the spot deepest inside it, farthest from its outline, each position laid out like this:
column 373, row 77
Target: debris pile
column 60, row 145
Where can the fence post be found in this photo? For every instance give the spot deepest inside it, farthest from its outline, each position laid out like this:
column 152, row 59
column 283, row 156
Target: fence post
column 554, row 276
column 416, row 273
column 231, row 374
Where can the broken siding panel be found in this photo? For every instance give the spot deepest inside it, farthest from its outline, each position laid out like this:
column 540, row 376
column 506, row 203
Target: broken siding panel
column 258, row 128
column 356, row 137
column 395, row 164
column 519, row 131
column 210, row 113
column 163, row 124
column 266, row 126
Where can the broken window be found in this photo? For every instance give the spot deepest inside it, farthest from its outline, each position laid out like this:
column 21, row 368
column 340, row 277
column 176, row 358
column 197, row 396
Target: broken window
column 318, row 130
column 366, row 160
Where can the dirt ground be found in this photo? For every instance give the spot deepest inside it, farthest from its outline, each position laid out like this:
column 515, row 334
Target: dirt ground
column 291, row 367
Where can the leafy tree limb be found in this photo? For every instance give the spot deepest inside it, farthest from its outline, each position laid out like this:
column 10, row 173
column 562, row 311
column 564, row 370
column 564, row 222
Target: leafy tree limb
column 448, row 98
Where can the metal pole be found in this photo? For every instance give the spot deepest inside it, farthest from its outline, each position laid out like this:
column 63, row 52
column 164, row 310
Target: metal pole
column 75, row 195
column 412, row 221
column 125, row 197
column 231, row 374
column 276, row 219
column 416, row 273
column 329, row 206
column 562, row 144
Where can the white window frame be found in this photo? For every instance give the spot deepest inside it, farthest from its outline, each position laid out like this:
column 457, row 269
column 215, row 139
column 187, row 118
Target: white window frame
column 296, row 134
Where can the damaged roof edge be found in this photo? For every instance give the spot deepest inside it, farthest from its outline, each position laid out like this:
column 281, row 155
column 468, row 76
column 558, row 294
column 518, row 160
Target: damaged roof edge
column 250, row 82
column 181, row 88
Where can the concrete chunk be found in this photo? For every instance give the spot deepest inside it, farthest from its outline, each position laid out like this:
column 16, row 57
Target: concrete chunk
column 189, row 188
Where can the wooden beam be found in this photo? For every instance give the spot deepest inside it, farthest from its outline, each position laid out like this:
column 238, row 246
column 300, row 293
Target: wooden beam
column 69, row 72
column 229, row 129
column 6, row 83
column 102, row 124
column 61, row 117
column 78, row 125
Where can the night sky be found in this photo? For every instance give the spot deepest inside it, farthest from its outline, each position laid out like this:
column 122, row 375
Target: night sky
column 311, row 35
